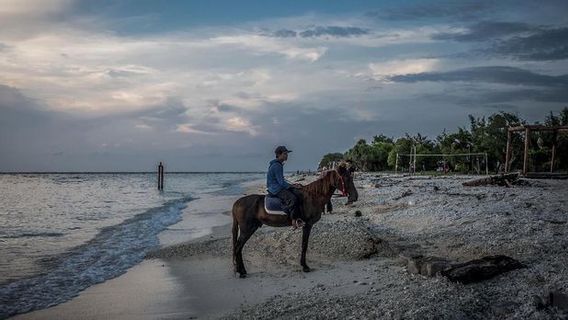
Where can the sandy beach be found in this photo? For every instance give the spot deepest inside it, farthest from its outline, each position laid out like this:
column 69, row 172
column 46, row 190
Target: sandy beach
column 360, row 262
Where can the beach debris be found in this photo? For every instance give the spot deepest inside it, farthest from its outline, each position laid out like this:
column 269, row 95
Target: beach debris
column 504, row 180
column 426, row 266
column 481, row 269
column 358, row 213
column 554, row 299
column 554, row 221
column 378, row 185
column 404, row 194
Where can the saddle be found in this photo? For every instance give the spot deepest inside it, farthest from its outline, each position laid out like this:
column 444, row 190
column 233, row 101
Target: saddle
column 273, row 205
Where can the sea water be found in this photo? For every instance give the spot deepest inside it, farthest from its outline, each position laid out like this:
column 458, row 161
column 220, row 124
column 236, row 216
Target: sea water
column 61, row 233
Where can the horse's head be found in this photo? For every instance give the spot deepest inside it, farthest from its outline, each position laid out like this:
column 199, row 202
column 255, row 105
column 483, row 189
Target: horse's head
column 345, row 183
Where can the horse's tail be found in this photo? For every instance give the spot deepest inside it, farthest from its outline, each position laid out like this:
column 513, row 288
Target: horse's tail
column 235, row 231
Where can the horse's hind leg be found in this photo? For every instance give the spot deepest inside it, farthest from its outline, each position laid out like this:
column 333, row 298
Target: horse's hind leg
column 305, row 239
column 245, row 234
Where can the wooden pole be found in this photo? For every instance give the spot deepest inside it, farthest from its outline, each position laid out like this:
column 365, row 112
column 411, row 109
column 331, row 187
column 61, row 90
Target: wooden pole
column 478, row 169
column 160, row 176
column 486, row 165
column 414, row 165
column 553, row 151
column 552, row 160
column 396, row 164
column 526, row 153
column 508, row 151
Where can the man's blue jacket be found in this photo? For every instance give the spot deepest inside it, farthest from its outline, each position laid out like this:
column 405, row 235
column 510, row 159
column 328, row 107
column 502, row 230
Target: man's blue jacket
column 275, row 177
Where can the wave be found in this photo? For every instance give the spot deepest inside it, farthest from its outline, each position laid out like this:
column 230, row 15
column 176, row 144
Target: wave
column 113, row 251
column 33, row 234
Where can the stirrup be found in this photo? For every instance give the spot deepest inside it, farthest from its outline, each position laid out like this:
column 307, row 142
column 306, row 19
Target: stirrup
column 298, row 223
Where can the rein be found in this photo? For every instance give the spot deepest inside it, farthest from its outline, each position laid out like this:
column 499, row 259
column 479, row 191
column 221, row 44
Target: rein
column 343, row 192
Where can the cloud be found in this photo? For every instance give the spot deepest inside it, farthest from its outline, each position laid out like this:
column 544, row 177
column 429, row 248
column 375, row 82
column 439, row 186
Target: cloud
column 264, row 45
column 322, row 31
column 20, row 19
column 458, row 10
column 31, row 7
column 474, row 97
column 547, row 44
column 240, row 124
column 188, row 128
column 226, row 108
column 548, row 95
column 284, row 33
column 514, row 39
column 486, row 30
column 385, row 70
column 77, row 84
column 495, row 74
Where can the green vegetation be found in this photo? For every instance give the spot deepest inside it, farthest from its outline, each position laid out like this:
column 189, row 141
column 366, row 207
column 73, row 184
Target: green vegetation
column 484, row 135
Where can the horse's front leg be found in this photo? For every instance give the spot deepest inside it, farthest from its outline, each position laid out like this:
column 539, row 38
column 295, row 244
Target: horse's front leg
column 305, row 238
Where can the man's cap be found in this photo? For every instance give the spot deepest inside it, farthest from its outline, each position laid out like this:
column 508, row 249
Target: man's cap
column 281, row 149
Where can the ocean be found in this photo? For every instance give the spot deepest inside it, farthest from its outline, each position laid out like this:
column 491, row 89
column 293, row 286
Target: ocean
column 62, row 233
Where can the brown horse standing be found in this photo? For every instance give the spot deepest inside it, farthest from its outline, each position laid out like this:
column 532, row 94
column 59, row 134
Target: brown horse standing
column 249, row 213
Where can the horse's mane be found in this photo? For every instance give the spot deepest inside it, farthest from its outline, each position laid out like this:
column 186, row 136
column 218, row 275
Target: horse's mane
column 322, row 186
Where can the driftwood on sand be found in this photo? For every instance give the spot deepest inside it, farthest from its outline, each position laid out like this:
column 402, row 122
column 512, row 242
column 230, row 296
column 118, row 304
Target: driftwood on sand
column 481, row 269
column 504, row 180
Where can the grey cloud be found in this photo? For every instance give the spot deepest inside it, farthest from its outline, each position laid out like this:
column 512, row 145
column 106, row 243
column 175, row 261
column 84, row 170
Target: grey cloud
column 321, row 31
column 285, row 33
column 487, row 30
column 462, row 10
column 549, row 44
column 226, row 108
column 13, row 98
column 503, row 107
column 116, row 73
column 173, row 111
column 495, row 74
column 244, row 95
column 334, row 31
column 502, row 99
column 549, row 95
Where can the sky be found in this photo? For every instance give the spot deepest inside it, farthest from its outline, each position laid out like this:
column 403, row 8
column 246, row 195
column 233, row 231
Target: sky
column 217, row 85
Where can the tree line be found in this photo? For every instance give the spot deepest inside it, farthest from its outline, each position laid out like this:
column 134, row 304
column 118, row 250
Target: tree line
column 486, row 135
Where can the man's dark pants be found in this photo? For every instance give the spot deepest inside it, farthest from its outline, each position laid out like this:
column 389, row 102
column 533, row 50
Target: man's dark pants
column 291, row 202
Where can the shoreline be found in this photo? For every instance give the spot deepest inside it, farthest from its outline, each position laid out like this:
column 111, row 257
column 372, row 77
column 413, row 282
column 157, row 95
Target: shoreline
column 202, row 219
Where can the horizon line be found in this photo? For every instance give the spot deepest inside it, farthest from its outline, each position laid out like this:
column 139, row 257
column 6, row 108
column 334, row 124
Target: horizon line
column 131, row 172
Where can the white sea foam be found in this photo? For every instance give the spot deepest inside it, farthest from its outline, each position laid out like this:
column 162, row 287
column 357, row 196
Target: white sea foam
column 109, row 254
column 60, row 234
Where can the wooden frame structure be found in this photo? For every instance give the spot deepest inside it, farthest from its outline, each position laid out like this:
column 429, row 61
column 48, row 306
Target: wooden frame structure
column 413, row 155
column 528, row 129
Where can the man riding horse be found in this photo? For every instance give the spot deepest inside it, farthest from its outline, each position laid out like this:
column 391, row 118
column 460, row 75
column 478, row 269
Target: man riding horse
column 249, row 212
column 278, row 187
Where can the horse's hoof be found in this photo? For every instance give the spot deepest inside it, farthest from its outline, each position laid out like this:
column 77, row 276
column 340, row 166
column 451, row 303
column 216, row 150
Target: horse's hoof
column 242, row 275
column 306, row 269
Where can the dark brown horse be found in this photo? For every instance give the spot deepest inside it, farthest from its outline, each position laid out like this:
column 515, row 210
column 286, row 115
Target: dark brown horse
column 249, row 213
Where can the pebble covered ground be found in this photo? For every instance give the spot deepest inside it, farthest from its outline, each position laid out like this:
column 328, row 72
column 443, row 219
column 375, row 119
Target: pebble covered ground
column 402, row 216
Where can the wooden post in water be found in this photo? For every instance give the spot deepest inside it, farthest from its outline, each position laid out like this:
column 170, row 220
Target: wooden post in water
column 160, row 176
